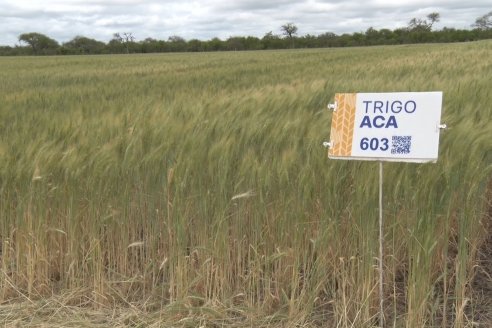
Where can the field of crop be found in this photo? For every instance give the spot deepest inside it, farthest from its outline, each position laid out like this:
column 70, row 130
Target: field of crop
column 187, row 190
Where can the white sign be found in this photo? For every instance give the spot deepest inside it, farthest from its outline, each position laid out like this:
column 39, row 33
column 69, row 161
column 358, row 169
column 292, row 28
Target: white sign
column 399, row 126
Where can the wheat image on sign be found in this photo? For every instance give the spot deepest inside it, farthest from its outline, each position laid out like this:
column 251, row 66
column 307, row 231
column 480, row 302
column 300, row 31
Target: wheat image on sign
column 342, row 125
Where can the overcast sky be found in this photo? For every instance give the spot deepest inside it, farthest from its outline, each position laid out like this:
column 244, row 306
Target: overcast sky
column 99, row 19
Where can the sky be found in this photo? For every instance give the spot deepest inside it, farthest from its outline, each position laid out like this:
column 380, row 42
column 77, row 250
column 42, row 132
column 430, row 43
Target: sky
column 62, row 20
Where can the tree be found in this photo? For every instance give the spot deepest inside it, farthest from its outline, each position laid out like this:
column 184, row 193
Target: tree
column 271, row 41
column 433, row 18
column 327, row 39
column 126, row 39
column 253, row 43
column 195, row 45
column 150, row 45
column 176, row 43
column 422, row 25
column 215, row 44
column 83, row 45
column 289, row 30
column 484, row 22
column 236, row 43
column 371, row 36
column 176, row 38
column 39, row 43
column 418, row 25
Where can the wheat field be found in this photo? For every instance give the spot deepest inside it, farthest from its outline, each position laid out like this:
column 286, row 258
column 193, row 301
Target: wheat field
column 192, row 190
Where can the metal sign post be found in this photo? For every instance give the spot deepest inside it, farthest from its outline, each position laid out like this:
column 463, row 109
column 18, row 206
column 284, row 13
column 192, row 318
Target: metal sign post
column 381, row 254
column 395, row 127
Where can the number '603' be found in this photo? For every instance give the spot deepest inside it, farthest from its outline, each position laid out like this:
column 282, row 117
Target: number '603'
column 374, row 144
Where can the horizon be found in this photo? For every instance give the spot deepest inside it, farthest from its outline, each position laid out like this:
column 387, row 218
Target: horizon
column 100, row 19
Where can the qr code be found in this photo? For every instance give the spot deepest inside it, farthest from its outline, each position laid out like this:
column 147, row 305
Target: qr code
column 401, row 144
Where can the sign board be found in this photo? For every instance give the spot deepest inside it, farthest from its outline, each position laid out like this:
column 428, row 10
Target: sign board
column 397, row 126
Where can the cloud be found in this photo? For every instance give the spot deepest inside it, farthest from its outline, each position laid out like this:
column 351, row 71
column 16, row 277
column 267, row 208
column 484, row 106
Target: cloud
column 99, row 19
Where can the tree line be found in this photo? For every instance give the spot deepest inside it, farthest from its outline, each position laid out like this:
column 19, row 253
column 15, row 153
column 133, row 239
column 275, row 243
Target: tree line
column 419, row 30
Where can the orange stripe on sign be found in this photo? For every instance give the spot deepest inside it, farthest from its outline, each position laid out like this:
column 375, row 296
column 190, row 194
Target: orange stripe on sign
column 342, row 125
